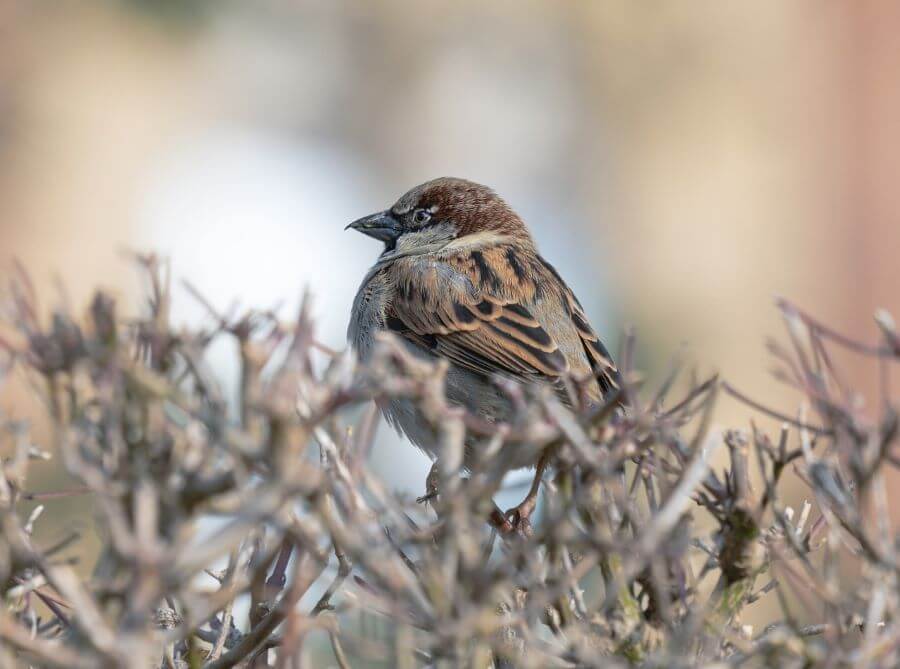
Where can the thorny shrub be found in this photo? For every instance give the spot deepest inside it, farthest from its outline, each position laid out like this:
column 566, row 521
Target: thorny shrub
column 616, row 572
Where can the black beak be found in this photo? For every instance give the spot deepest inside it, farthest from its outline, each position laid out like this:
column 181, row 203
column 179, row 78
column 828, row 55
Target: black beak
column 382, row 226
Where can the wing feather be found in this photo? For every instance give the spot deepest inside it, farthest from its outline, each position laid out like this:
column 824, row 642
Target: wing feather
column 472, row 322
column 602, row 365
column 482, row 310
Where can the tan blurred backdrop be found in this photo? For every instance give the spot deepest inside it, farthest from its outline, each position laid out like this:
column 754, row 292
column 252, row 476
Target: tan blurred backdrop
column 680, row 163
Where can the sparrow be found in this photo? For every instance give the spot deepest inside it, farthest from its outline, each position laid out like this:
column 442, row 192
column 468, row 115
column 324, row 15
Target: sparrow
column 461, row 279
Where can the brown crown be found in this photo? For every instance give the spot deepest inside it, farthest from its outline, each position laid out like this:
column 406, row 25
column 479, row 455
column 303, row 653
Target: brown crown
column 471, row 206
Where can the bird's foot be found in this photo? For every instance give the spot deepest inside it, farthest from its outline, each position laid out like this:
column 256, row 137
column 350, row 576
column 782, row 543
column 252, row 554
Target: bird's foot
column 431, row 486
column 519, row 518
column 427, row 497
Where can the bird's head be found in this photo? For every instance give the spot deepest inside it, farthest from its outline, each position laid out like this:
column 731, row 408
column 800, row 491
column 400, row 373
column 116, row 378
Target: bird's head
column 440, row 212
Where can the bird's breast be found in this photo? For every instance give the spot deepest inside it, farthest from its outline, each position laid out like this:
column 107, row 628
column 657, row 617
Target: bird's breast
column 367, row 316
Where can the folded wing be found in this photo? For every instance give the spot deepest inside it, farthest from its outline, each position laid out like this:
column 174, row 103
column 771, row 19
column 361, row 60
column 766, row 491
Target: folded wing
column 459, row 309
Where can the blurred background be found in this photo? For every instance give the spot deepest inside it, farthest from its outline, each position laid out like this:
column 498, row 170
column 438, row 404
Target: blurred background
column 680, row 163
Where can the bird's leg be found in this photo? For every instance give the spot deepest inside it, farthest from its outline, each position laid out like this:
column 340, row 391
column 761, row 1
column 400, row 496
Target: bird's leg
column 431, row 485
column 519, row 516
column 516, row 519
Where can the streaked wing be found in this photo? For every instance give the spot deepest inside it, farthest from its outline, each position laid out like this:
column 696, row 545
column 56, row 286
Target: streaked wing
column 438, row 306
column 604, row 369
column 601, row 362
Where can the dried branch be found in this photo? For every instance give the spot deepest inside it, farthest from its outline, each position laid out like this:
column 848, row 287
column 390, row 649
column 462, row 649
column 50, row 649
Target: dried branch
column 617, row 571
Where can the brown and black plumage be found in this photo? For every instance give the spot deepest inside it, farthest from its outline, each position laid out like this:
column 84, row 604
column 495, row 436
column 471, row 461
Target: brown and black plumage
column 460, row 279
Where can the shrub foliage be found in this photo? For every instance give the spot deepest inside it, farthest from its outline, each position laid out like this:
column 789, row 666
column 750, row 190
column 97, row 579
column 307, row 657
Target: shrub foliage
column 644, row 553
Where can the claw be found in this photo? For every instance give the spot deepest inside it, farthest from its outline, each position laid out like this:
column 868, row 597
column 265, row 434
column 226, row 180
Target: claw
column 431, row 485
column 427, row 497
column 519, row 518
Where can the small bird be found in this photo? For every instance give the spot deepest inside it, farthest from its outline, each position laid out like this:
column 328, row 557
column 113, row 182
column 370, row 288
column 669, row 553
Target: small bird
column 460, row 278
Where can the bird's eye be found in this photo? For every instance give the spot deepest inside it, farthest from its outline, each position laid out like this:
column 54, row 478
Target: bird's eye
column 421, row 216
